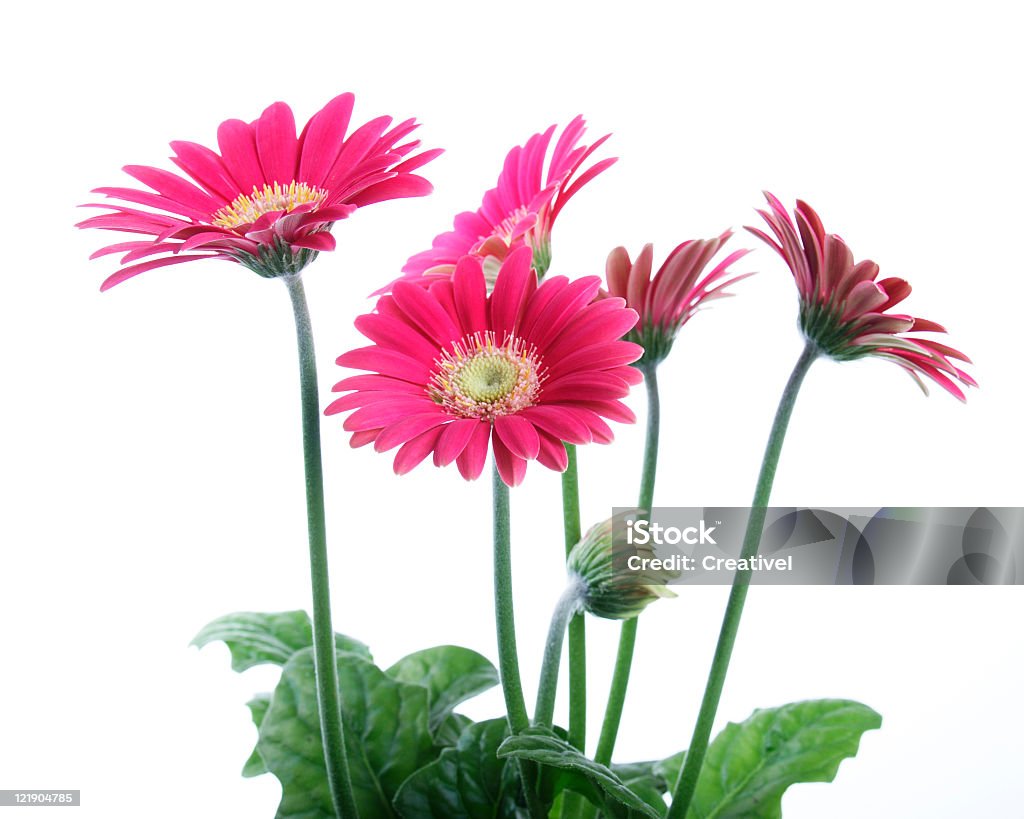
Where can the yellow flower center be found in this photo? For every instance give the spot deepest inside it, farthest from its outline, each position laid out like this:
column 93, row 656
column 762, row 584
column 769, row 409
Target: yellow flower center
column 247, row 209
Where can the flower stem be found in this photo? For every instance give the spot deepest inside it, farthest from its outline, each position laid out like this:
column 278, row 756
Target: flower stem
column 508, row 654
column 627, row 635
column 568, row 605
column 687, row 783
column 577, row 628
column 324, row 656
column 572, row 802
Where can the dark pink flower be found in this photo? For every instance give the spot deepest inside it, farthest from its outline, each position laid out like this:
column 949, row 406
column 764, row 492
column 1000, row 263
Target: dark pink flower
column 668, row 301
column 521, row 371
column 844, row 310
column 521, row 208
column 269, row 199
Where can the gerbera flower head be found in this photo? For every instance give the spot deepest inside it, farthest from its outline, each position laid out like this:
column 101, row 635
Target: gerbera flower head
column 676, row 292
column 268, row 199
column 521, row 209
column 608, row 587
column 455, row 371
column 844, row 308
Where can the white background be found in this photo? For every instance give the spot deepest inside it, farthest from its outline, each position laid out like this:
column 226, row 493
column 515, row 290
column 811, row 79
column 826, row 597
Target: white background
column 152, row 475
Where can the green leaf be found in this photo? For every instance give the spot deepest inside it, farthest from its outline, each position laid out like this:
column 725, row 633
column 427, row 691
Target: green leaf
column 577, row 772
column 750, row 764
column 258, row 706
column 669, row 768
column 451, row 728
column 452, row 675
column 386, row 737
column 255, row 637
column 468, row 781
column 644, row 780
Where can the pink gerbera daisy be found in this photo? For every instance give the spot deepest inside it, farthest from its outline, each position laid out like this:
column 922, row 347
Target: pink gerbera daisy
column 844, row 310
column 521, row 371
column 269, row 199
column 520, row 209
column 668, row 301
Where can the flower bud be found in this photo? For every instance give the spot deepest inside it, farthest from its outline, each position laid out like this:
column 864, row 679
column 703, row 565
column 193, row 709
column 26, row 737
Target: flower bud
column 608, row 588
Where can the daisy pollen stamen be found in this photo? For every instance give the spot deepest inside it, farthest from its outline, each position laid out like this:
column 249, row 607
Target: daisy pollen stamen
column 246, row 209
column 479, row 378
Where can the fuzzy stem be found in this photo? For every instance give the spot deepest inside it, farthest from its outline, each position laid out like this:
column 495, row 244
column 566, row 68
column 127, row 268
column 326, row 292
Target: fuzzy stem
column 568, row 605
column 572, row 802
column 508, row 654
column 686, row 785
column 324, row 657
column 627, row 635
column 577, row 629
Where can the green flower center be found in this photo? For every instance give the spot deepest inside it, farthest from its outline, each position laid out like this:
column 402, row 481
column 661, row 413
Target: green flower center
column 487, row 377
column 478, row 378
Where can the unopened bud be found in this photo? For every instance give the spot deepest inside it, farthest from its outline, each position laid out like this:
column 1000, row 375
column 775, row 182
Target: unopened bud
column 608, row 588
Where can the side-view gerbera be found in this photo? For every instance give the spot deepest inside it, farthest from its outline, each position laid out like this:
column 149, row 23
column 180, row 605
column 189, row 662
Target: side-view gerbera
column 666, row 302
column 844, row 309
column 521, row 209
column 522, row 371
column 268, row 199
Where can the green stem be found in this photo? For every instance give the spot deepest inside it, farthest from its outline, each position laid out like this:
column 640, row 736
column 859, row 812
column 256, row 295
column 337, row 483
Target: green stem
column 572, row 802
column 687, row 783
column 627, row 635
column 324, row 657
column 508, row 654
column 577, row 629
column 650, row 470
column 568, row 605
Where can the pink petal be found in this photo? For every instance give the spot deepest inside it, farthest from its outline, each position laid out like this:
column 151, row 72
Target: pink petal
column 277, row 144
column 237, row 143
column 363, row 437
column 617, row 272
column 426, row 314
column 600, row 432
column 409, row 428
column 470, row 295
column 323, row 139
column 865, row 297
column 511, row 468
column 541, row 328
column 394, row 334
column 615, row 410
column 126, row 273
column 552, row 453
column 473, row 458
column 518, row 435
column 455, row 438
column 175, row 189
column 639, row 278
column 206, row 168
column 377, row 383
column 384, row 413
column 405, row 186
column 511, row 292
column 320, row 240
column 589, row 386
column 386, row 362
column 413, row 452
column 558, row 421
